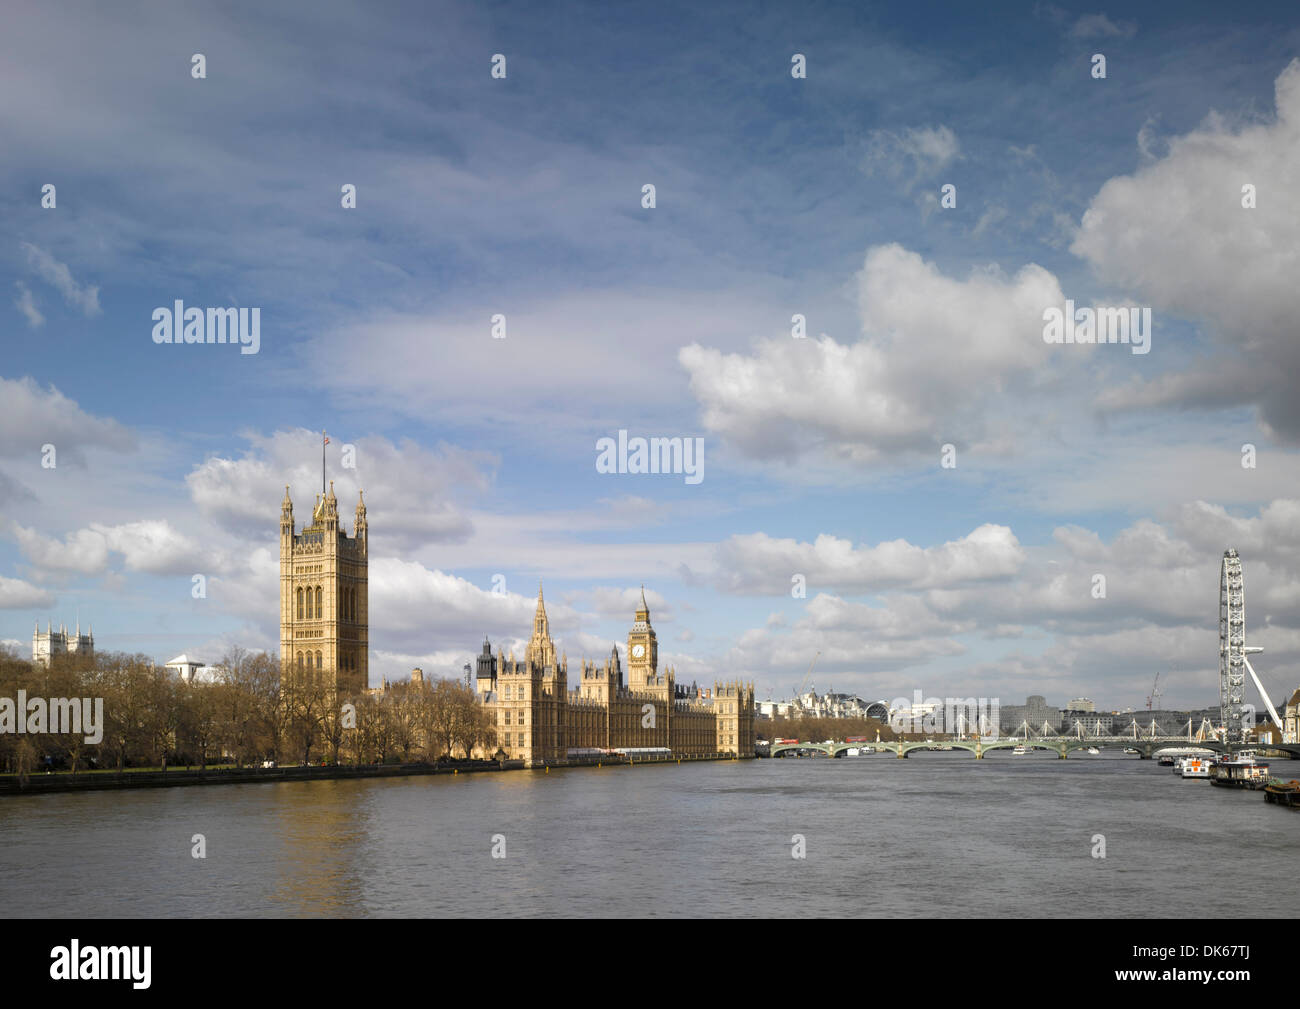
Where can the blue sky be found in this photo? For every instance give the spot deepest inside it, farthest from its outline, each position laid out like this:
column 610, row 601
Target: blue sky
column 774, row 196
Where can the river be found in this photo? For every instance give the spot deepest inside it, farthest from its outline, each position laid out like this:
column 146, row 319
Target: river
column 938, row 834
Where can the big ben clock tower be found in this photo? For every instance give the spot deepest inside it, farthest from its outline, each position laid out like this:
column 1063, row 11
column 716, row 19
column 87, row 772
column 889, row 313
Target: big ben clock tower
column 642, row 648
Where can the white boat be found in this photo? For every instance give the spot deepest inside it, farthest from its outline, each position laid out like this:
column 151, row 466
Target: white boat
column 1020, row 750
column 1093, row 750
column 1195, row 767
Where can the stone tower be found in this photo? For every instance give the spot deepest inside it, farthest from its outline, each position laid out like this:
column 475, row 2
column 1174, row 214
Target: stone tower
column 642, row 650
column 324, row 608
column 52, row 643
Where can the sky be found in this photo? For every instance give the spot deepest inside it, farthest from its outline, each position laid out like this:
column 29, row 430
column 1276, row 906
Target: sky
column 944, row 484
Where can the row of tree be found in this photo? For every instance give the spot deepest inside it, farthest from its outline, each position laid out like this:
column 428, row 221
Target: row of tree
column 809, row 729
column 248, row 715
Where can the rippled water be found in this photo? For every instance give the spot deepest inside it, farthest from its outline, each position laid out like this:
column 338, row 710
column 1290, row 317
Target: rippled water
column 936, row 834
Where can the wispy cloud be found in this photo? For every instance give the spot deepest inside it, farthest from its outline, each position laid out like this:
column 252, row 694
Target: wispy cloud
column 27, row 305
column 82, row 297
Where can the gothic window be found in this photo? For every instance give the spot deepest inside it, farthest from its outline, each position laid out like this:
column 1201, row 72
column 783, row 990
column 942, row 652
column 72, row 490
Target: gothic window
column 300, row 604
column 300, row 653
column 320, row 596
column 318, row 661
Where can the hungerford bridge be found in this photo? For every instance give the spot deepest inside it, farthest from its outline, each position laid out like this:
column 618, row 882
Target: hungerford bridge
column 1233, row 666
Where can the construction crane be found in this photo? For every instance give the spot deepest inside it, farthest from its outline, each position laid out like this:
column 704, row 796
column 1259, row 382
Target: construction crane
column 1154, row 696
column 799, row 692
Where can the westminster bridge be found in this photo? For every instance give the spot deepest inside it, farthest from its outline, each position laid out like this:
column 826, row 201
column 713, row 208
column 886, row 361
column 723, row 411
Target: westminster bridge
column 1062, row 746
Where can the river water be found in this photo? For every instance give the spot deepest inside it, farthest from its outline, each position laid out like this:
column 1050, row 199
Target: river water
column 937, row 834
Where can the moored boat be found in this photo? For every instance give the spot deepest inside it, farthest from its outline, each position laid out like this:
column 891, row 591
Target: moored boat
column 1283, row 793
column 1240, row 772
column 1195, row 767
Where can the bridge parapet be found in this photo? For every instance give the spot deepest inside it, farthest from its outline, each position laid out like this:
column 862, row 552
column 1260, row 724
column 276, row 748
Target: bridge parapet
column 1060, row 745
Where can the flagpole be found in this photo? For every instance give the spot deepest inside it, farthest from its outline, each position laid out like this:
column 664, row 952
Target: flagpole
column 323, row 443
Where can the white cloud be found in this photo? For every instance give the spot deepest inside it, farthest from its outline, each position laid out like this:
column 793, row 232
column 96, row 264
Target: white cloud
column 408, row 487
column 935, row 352
column 757, row 564
column 19, row 595
column 27, row 305
column 152, row 546
column 915, row 153
column 1175, row 233
column 33, row 417
column 82, row 297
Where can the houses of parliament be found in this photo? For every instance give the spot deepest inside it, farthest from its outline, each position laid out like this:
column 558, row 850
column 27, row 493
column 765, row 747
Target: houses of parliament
column 324, row 634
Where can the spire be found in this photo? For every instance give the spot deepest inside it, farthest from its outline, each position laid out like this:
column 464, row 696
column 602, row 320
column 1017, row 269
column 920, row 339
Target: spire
column 540, row 624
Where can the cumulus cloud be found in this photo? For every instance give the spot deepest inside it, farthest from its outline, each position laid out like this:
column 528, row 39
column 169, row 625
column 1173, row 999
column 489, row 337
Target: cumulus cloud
column 1159, row 612
column 1176, row 235
column 934, row 352
column 408, row 486
column 151, row 546
column 16, row 594
column 621, row 603
column 412, row 603
column 758, row 564
column 33, row 417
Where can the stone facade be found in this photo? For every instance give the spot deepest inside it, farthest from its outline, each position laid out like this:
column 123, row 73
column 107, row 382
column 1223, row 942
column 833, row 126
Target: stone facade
column 324, row 607
column 52, row 643
column 539, row 719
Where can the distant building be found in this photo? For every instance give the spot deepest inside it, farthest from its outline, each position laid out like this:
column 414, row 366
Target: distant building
column 1093, row 723
column 1081, row 704
column 1036, row 711
column 1291, row 718
column 810, row 704
column 193, row 671
column 52, row 643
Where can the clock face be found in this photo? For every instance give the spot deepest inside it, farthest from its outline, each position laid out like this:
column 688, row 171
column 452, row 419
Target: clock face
column 638, row 651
